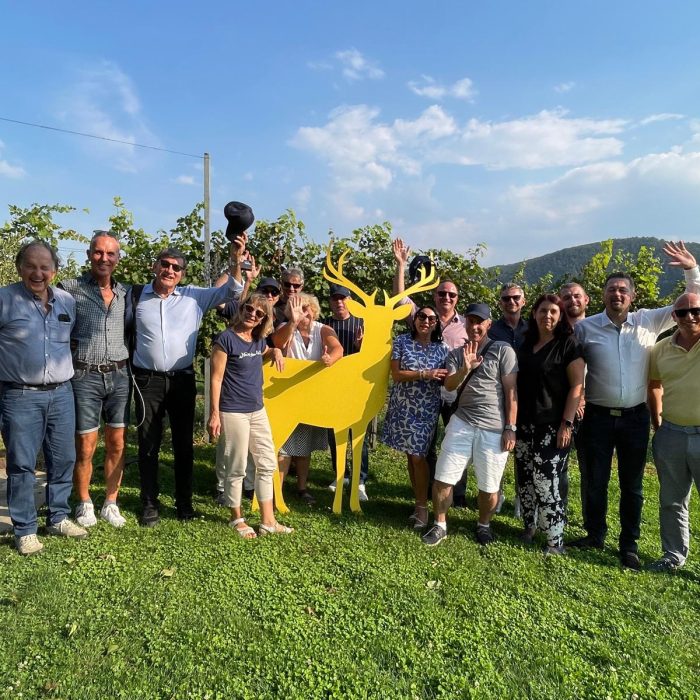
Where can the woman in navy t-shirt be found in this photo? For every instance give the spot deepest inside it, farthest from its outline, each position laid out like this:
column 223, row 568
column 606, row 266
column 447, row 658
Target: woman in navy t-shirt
column 238, row 414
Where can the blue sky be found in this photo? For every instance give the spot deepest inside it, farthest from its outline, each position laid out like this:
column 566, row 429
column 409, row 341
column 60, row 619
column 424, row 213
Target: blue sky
column 528, row 126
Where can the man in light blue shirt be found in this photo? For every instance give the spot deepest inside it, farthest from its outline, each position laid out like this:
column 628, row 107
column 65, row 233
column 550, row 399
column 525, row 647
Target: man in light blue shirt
column 166, row 321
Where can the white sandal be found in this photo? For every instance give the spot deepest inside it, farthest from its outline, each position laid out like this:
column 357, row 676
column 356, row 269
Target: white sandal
column 276, row 529
column 247, row 532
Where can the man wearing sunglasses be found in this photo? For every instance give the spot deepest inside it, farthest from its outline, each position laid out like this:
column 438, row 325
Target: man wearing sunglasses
column 167, row 319
column 617, row 345
column 674, row 387
column 511, row 327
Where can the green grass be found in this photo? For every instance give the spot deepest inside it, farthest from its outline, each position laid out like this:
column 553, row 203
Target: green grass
column 346, row 607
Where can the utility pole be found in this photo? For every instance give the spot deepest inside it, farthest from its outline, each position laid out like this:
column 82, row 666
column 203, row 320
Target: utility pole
column 207, row 274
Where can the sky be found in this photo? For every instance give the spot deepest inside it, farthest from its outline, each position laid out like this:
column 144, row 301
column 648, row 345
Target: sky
column 525, row 126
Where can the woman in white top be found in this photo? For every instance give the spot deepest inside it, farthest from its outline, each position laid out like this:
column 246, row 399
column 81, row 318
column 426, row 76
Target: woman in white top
column 304, row 338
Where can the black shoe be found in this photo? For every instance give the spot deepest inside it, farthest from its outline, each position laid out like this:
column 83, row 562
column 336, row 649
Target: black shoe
column 587, row 542
column 663, row 566
column 306, row 497
column 528, row 535
column 434, row 536
column 459, row 502
column 149, row 516
column 630, row 560
column 248, row 493
column 186, row 513
column 220, row 499
column 484, row 536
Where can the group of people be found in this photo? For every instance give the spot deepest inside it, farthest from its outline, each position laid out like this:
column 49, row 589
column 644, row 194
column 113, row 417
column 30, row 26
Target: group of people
column 75, row 352
column 541, row 386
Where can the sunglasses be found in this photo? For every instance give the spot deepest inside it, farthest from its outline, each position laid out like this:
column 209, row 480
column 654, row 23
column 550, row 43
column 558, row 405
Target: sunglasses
column 258, row 313
column 512, row 297
column 420, row 316
column 166, row 265
column 682, row 313
column 271, row 291
column 292, row 285
column 452, row 295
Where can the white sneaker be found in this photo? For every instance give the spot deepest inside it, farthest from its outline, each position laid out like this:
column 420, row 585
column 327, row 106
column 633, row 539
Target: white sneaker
column 67, row 528
column 334, row 483
column 110, row 513
column 85, row 514
column 501, row 501
column 363, row 493
column 28, row 544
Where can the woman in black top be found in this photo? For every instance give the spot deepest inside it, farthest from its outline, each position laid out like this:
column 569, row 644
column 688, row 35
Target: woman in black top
column 550, row 381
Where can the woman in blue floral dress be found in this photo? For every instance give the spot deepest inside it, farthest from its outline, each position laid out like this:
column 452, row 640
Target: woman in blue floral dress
column 417, row 369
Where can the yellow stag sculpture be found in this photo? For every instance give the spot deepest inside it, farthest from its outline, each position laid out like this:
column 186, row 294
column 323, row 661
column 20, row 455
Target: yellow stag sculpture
column 349, row 394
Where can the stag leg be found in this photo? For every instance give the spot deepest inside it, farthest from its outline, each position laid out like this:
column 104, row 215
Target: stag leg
column 341, row 447
column 358, row 437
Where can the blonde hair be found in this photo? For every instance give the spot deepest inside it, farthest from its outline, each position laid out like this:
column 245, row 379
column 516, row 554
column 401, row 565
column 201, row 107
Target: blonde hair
column 259, row 301
column 312, row 301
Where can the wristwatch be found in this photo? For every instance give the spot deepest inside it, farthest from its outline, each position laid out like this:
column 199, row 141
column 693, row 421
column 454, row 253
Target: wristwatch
column 512, row 428
column 568, row 423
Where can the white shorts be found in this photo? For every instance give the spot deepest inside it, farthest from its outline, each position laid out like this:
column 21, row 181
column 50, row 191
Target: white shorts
column 465, row 444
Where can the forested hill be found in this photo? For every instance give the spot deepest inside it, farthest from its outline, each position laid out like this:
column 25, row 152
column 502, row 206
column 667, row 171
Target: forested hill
column 566, row 263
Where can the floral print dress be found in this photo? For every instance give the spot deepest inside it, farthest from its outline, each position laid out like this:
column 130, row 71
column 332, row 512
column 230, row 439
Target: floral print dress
column 414, row 406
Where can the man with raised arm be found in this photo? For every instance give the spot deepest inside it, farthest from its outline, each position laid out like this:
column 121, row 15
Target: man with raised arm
column 166, row 321
column 674, row 388
column 617, row 347
column 101, row 380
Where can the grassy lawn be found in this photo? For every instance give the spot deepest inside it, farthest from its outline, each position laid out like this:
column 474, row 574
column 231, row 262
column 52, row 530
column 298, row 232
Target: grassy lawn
column 346, row 607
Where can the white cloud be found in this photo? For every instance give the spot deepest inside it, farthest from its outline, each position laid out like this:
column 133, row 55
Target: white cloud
column 13, row 172
column 302, row 197
column 356, row 67
column 103, row 101
column 248, row 177
column 663, row 117
column 428, row 87
column 186, row 180
column 564, row 87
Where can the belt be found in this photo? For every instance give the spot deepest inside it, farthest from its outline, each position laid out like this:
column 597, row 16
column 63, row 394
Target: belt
column 33, row 387
column 140, row 372
column 617, row 412
column 103, row 368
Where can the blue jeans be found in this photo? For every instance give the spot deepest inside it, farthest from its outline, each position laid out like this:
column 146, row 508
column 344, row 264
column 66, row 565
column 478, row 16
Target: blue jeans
column 99, row 395
column 32, row 420
column 628, row 435
column 364, row 464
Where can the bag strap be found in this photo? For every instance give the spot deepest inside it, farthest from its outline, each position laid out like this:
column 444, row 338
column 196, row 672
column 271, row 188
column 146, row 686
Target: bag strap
column 469, row 376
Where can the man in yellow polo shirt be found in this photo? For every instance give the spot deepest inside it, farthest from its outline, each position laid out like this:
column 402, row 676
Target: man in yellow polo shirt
column 674, row 387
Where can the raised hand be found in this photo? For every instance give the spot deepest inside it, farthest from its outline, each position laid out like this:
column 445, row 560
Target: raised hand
column 293, row 311
column 470, row 352
column 679, row 255
column 401, row 252
column 254, row 268
column 237, row 248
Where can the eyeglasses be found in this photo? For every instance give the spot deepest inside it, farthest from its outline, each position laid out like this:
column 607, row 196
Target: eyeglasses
column 682, row 313
column 293, row 285
column 420, row 316
column 166, row 265
column 270, row 291
column 258, row 313
column 452, row 295
column 512, row 297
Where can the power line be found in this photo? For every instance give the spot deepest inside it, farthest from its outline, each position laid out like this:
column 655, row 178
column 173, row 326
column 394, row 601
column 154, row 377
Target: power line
column 100, row 138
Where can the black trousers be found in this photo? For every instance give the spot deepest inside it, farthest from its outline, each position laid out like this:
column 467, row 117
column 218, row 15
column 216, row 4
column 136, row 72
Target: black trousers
column 175, row 397
column 628, row 435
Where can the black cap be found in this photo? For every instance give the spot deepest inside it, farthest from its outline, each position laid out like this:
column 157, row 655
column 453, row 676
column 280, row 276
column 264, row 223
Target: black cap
column 480, row 310
column 269, row 282
column 420, row 261
column 338, row 289
column 240, row 218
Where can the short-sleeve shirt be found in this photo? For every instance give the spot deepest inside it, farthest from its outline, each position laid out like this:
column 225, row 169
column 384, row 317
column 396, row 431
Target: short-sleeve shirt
column 241, row 387
column 543, row 383
column 482, row 402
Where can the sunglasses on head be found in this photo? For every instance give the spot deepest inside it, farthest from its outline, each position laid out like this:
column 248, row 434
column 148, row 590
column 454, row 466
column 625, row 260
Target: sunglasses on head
column 420, row 316
column 682, row 313
column 258, row 313
column 166, row 265
column 512, row 297
column 452, row 295
column 292, row 285
column 271, row 291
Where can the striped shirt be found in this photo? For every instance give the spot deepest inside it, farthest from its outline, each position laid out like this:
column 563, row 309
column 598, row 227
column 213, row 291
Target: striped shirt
column 346, row 330
column 98, row 334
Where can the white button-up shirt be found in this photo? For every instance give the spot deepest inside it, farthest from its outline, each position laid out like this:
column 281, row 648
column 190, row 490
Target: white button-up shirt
column 617, row 359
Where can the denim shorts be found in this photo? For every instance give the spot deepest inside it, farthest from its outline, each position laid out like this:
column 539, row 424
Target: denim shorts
column 101, row 396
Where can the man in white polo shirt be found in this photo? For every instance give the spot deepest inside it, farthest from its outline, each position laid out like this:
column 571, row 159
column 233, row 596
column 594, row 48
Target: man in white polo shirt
column 674, row 388
column 617, row 346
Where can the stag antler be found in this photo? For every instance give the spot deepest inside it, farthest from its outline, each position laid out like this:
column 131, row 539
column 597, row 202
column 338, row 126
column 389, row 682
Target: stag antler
column 335, row 275
column 425, row 282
